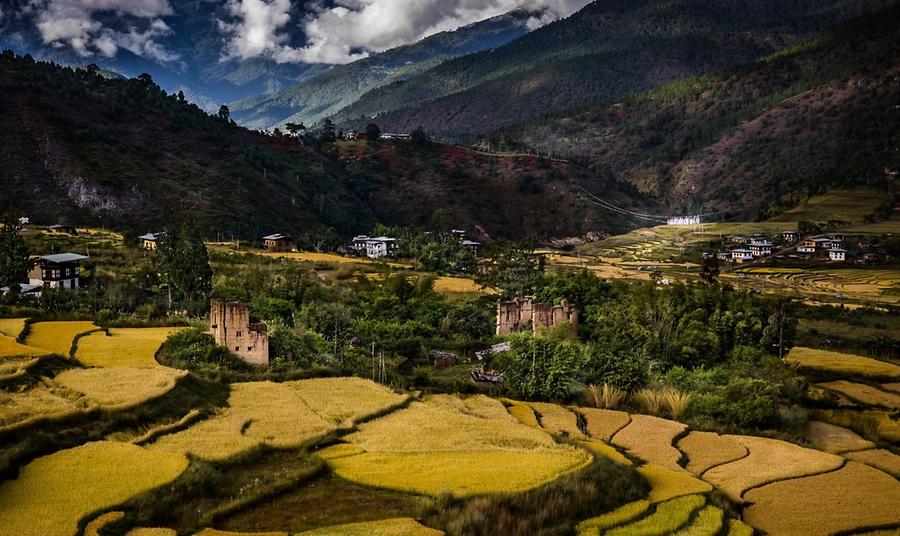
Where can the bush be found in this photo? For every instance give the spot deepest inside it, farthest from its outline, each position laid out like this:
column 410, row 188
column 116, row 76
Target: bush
column 629, row 373
column 196, row 349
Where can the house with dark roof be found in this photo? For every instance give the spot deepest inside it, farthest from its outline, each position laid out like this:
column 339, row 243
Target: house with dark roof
column 149, row 241
column 277, row 243
column 60, row 270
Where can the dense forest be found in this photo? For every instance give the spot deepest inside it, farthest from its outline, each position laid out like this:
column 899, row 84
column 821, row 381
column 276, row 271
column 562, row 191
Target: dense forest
column 608, row 50
column 819, row 114
column 85, row 149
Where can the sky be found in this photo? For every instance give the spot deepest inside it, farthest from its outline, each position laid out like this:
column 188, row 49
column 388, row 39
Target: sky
column 344, row 31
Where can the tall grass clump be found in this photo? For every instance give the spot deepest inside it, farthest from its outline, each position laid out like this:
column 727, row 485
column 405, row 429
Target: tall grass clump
column 648, row 401
column 604, row 397
column 675, row 402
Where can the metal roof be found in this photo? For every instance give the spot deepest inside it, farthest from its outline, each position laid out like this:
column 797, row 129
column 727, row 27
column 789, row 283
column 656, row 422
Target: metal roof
column 64, row 257
column 277, row 236
column 148, row 236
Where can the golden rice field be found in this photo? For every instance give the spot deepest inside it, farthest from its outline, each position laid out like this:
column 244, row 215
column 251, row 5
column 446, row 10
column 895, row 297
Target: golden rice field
column 145, row 531
column 95, row 525
column 881, row 459
column 122, row 347
column 887, row 428
column 834, row 439
column 402, row 526
column 892, row 387
column 865, row 394
column 120, row 388
column 867, row 285
column 604, row 449
column 736, row 528
column 603, row 424
column 619, row 516
column 10, row 348
column 45, row 400
column 78, row 482
column 281, row 415
column 557, row 420
column 843, row 363
column 57, row 337
column 667, row 483
column 853, row 497
column 524, row 414
column 216, row 532
column 769, row 460
column 650, row 439
column 329, row 258
column 451, row 285
column 12, row 327
column 667, row 519
column 709, row 521
column 707, row 449
column 434, row 447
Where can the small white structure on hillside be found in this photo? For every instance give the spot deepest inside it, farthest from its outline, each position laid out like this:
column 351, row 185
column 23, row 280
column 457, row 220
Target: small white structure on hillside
column 741, row 255
column 761, row 248
column 838, row 255
column 684, row 220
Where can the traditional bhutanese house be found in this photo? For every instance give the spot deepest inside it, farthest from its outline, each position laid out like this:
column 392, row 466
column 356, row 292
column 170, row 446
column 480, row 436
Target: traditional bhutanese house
column 839, row 255
column 736, row 239
column 790, row 236
column 741, row 255
column 804, row 248
column 381, row 246
column 472, row 246
column 62, row 270
column 458, row 234
column 359, row 242
column 758, row 239
column 723, row 255
column 277, row 243
column 761, row 248
column 149, row 241
column 26, row 290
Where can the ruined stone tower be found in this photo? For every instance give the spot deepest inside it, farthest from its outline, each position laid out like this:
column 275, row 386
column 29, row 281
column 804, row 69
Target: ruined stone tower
column 230, row 324
column 521, row 314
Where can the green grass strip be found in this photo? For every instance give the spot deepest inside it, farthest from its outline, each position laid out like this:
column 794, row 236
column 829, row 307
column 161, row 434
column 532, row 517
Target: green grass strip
column 620, row 515
column 668, row 518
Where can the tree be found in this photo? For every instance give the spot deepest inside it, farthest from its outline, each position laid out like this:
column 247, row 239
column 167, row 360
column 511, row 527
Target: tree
column 224, row 113
column 419, row 138
column 328, row 131
column 540, row 367
column 184, row 266
column 295, row 129
column 710, row 271
column 373, row 133
column 778, row 335
column 469, row 322
column 14, row 260
column 515, row 270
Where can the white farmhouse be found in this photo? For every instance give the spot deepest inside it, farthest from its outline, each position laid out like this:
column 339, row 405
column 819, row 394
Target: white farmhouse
column 838, row 255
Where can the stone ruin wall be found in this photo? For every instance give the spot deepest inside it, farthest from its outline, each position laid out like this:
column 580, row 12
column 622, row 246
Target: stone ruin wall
column 230, row 326
column 522, row 314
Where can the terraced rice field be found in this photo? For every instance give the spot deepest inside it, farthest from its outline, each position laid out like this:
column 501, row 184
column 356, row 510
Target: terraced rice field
column 120, row 388
column 619, row 516
column 769, row 460
column 122, row 347
column 57, row 337
column 667, row 484
column 557, row 420
column 843, row 205
column 433, row 447
column 78, row 482
column 835, row 439
column 77, row 390
column 881, row 459
column 842, row 363
column 10, row 348
column 451, row 285
column 524, row 414
column 853, row 497
column 385, row 527
column 705, row 450
column 328, row 258
column 667, row 519
column 650, row 439
column 281, row 415
column 865, row 394
column 603, row 424
column 12, row 327
column 867, row 285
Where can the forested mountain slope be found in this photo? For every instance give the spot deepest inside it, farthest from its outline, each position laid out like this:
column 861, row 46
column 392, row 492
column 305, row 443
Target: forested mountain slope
column 77, row 147
column 327, row 93
column 608, row 50
column 819, row 114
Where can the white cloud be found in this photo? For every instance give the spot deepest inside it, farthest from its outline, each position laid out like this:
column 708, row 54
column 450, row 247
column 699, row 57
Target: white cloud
column 354, row 28
column 71, row 22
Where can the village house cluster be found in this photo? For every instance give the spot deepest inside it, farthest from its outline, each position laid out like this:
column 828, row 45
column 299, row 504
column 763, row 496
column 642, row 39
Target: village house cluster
column 747, row 249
